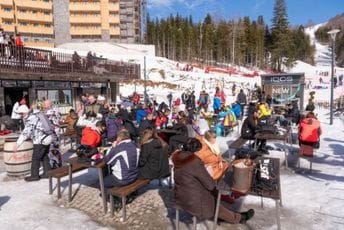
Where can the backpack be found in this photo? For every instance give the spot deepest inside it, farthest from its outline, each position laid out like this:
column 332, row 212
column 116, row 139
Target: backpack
column 229, row 120
column 47, row 125
column 47, row 129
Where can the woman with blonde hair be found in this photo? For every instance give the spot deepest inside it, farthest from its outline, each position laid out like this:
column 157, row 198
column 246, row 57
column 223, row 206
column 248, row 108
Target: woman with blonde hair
column 211, row 156
column 153, row 160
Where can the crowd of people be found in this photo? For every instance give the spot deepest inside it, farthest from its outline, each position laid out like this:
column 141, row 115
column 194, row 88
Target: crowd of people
column 140, row 147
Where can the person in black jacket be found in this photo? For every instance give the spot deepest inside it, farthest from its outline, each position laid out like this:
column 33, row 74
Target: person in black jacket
column 147, row 122
column 153, row 160
column 293, row 113
column 176, row 141
column 250, row 127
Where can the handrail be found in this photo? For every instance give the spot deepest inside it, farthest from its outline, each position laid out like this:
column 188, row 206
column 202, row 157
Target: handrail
column 25, row 59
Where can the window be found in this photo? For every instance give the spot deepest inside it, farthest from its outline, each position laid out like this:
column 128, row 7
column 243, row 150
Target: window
column 23, row 23
column 56, row 96
column 47, row 25
column 46, row 13
column 26, row 39
column 34, row 11
column 35, row 25
column 22, row 11
column 36, row 40
column 8, row 9
column 8, row 23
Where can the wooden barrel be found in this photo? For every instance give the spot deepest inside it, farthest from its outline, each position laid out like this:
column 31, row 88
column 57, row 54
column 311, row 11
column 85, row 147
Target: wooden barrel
column 17, row 163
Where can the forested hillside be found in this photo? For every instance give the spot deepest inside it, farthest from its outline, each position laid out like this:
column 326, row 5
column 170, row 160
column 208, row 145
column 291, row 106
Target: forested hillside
column 242, row 41
column 322, row 36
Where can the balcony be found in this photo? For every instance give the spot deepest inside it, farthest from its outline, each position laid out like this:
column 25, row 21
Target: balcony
column 7, row 14
column 85, row 31
column 113, row 7
column 35, row 17
column 6, row 3
column 114, row 20
column 35, row 30
column 83, row 19
column 84, row 6
column 34, row 4
column 8, row 28
column 114, row 31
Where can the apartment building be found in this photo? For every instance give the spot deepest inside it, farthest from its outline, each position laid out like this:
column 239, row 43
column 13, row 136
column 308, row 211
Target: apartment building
column 53, row 22
column 32, row 19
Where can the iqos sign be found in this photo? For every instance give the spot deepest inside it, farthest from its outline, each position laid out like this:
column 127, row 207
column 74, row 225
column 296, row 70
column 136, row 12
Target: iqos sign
column 281, row 79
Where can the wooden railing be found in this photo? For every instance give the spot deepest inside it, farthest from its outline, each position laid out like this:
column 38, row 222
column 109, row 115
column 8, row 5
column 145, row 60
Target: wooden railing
column 24, row 59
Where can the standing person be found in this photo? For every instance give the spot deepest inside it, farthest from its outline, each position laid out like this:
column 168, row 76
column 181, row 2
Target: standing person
column 92, row 105
column 11, row 45
column 16, row 117
column 40, row 130
column 170, row 98
column 20, row 49
column 233, row 89
column 241, row 98
column 153, row 160
column 195, row 188
column 53, row 115
column 2, row 42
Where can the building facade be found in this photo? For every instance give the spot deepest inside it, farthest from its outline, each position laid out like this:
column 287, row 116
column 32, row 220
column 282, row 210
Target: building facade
column 53, row 22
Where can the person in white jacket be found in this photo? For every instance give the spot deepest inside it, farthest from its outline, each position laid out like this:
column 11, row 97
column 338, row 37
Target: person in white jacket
column 15, row 116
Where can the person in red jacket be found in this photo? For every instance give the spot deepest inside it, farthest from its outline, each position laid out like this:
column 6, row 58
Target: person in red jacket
column 19, row 49
column 310, row 131
column 91, row 136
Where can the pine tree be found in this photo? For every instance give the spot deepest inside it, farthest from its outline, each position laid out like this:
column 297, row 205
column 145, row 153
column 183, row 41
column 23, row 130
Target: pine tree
column 280, row 36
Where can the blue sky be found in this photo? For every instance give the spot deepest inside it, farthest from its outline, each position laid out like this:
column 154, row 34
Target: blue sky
column 300, row 12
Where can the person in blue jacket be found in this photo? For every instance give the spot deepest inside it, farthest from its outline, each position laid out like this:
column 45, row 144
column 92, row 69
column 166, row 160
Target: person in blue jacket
column 236, row 109
column 140, row 113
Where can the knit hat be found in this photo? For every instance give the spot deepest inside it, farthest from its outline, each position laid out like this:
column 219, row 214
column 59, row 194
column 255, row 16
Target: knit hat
column 23, row 109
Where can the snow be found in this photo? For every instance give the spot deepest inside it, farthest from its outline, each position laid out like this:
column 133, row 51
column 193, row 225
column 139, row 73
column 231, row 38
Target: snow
column 310, row 200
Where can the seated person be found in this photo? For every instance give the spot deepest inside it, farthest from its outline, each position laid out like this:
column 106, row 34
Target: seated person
column 179, row 139
column 293, row 113
column 70, row 121
column 227, row 118
column 148, row 121
column 236, row 109
column 153, row 160
column 211, row 156
column 123, row 161
column 91, row 136
column 310, row 131
column 249, row 128
column 264, row 112
column 195, row 188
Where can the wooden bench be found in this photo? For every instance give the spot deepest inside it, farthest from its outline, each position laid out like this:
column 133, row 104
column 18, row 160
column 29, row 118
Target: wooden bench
column 306, row 152
column 238, row 143
column 58, row 173
column 123, row 192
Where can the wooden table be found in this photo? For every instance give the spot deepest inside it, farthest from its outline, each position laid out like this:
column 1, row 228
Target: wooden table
column 285, row 137
column 224, row 186
column 166, row 134
column 99, row 166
